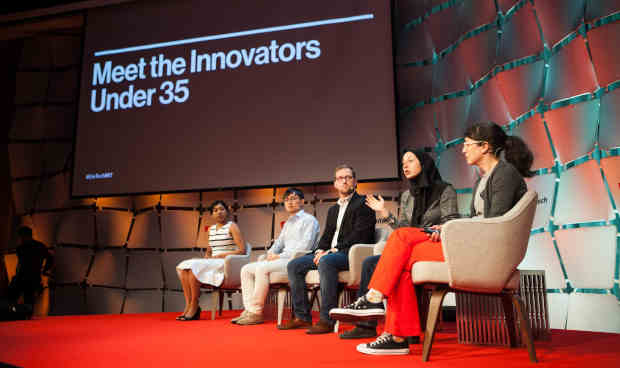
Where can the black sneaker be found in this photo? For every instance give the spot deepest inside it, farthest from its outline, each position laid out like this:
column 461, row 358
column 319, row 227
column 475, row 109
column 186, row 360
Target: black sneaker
column 361, row 309
column 384, row 345
column 359, row 333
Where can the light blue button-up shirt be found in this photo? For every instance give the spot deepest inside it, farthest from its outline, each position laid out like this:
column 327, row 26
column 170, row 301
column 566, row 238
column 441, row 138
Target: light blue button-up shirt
column 300, row 233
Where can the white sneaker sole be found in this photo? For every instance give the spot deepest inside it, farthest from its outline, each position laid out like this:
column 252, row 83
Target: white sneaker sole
column 251, row 323
column 363, row 348
column 351, row 315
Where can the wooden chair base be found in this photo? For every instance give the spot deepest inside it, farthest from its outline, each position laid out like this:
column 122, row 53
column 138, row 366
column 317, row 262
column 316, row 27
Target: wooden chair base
column 217, row 298
column 509, row 300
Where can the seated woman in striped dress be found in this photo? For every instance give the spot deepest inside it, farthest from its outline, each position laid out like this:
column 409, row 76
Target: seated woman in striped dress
column 224, row 239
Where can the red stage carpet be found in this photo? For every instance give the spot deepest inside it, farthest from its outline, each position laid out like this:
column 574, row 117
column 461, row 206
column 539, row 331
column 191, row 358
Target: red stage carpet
column 157, row 340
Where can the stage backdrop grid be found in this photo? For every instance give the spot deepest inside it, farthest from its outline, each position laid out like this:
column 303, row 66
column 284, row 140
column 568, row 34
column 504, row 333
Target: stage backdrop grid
column 555, row 92
column 545, row 70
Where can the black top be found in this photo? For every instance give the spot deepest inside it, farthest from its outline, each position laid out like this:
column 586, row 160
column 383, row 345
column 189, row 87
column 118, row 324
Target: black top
column 30, row 256
column 504, row 189
column 358, row 225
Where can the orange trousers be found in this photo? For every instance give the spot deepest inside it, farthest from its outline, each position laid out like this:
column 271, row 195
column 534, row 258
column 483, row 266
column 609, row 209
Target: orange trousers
column 392, row 278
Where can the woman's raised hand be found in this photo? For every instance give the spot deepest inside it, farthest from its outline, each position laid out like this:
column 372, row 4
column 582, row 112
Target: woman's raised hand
column 377, row 204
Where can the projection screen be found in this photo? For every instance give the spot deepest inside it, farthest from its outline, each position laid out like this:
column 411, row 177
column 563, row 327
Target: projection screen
column 198, row 95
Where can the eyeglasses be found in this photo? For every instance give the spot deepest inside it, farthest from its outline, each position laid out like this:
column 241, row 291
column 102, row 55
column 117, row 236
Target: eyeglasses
column 291, row 199
column 343, row 178
column 471, row 143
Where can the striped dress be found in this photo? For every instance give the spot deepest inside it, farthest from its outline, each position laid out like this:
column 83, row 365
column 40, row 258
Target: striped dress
column 211, row 270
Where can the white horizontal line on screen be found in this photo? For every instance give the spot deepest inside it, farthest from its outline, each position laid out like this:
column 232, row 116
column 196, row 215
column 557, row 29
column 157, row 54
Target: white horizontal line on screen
column 186, row 41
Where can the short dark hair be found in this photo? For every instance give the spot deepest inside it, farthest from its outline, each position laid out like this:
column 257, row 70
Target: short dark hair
column 515, row 149
column 215, row 203
column 296, row 191
column 345, row 166
column 24, row 232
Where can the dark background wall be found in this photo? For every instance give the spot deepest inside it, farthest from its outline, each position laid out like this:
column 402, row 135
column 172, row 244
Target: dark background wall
column 547, row 71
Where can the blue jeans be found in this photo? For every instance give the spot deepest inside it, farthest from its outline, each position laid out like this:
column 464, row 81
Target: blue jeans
column 328, row 267
column 368, row 268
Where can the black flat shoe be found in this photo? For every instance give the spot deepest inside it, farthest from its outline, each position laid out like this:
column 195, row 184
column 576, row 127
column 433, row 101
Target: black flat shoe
column 359, row 333
column 180, row 317
column 413, row 340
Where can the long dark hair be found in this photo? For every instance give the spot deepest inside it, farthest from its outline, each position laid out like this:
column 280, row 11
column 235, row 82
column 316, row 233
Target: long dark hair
column 426, row 187
column 515, row 150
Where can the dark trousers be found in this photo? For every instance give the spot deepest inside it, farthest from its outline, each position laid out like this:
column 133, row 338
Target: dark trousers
column 368, row 267
column 29, row 288
column 328, row 267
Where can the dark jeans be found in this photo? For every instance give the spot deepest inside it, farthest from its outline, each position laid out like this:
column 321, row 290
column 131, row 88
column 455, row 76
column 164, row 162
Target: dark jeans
column 328, row 267
column 29, row 288
column 368, row 268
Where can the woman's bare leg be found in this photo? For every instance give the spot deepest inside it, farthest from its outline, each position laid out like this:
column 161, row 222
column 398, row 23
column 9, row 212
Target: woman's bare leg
column 194, row 287
column 186, row 288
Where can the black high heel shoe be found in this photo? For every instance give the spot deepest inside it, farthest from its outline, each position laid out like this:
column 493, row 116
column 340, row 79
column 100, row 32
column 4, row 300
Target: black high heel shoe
column 195, row 317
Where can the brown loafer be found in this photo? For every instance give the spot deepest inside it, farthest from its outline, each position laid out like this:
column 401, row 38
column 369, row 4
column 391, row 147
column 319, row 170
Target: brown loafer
column 321, row 327
column 295, row 323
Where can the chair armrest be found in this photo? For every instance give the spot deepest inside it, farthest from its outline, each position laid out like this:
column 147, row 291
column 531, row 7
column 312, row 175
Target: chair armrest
column 482, row 253
column 378, row 248
column 263, row 257
column 357, row 254
column 232, row 269
column 299, row 253
column 296, row 254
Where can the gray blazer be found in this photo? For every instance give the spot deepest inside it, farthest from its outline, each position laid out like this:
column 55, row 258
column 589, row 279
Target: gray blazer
column 504, row 189
column 443, row 209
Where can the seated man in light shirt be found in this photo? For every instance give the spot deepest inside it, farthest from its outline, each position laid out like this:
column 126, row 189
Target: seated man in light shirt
column 299, row 233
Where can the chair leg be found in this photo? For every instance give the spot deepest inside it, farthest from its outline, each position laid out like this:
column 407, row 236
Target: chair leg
column 314, row 297
column 431, row 323
column 221, row 300
column 341, row 301
column 214, row 299
column 524, row 324
column 281, row 299
column 510, row 320
column 229, row 295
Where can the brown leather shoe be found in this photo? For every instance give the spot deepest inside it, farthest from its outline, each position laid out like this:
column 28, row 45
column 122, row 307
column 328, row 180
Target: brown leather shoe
column 295, row 323
column 321, row 327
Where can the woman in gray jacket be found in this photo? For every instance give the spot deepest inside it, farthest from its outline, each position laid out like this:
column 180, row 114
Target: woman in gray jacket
column 429, row 201
column 503, row 161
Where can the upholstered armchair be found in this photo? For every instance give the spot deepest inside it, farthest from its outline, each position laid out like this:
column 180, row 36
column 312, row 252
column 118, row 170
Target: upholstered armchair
column 278, row 281
column 232, row 279
column 481, row 256
column 351, row 278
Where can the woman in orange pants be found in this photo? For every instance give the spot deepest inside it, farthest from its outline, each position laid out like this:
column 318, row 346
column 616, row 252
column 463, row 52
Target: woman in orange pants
column 503, row 161
column 393, row 278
